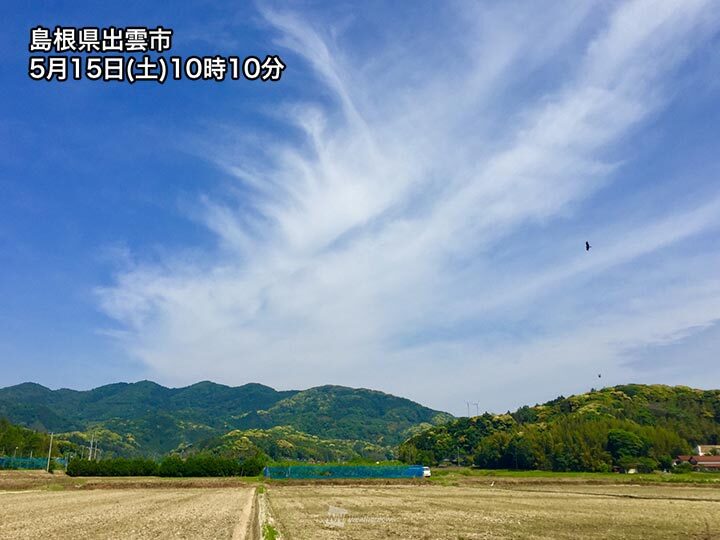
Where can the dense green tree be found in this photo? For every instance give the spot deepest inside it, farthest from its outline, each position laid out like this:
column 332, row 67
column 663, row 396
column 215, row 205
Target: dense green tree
column 22, row 442
column 630, row 426
column 624, row 444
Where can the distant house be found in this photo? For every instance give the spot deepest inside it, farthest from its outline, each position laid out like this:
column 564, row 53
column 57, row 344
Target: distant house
column 705, row 462
column 707, row 449
column 700, row 462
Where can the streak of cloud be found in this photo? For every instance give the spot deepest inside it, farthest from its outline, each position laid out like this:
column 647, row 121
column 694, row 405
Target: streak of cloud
column 390, row 246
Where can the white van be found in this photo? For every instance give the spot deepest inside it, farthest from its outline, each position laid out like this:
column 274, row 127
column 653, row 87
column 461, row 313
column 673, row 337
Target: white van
column 426, row 472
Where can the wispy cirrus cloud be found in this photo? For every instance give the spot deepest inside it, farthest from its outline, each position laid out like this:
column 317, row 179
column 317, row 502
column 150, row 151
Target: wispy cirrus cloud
column 393, row 245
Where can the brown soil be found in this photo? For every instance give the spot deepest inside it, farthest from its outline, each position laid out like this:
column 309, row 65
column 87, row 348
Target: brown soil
column 127, row 513
column 506, row 511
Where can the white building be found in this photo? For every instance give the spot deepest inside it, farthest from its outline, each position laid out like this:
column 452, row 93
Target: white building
column 707, row 449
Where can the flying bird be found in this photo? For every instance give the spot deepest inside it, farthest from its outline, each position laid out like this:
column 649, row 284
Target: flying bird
column 587, row 246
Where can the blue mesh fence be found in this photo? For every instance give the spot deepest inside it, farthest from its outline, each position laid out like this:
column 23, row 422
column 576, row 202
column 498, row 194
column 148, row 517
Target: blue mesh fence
column 28, row 463
column 343, row 471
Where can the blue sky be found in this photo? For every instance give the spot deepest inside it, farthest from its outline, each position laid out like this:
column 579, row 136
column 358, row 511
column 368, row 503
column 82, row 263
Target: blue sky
column 406, row 210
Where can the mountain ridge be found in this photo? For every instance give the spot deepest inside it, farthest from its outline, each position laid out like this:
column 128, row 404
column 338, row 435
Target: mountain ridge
column 145, row 417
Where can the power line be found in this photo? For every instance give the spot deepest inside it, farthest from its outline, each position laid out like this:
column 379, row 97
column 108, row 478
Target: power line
column 49, row 453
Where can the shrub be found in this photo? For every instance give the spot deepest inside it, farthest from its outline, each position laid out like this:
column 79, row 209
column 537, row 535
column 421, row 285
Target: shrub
column 666, row 462
column 682, row 468
column 646, row 465
column 170, row 466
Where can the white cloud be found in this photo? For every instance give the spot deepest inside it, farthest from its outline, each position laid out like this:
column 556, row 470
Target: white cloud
column 387, row 250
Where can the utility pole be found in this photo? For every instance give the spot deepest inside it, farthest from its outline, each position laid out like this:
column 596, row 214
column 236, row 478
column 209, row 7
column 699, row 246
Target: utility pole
column 477, row 409
column 468, row 406
column 92, row 440
column 47, row 469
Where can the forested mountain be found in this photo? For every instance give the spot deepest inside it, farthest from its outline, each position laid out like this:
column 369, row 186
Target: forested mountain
column 626, row 426
column 63, row 410
column 338, row 412
column 283, row 443
column 145, row 418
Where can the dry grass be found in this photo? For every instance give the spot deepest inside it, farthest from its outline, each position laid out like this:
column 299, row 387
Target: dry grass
column 24, row 480
column 510, row 510
column 128, row 513
column 39, row 505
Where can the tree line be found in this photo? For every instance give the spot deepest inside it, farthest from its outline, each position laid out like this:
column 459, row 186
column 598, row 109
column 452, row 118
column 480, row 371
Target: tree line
column 170, row 466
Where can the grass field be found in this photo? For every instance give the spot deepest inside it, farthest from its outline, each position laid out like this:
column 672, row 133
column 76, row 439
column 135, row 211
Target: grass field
column 462, row 505
column 439, row 475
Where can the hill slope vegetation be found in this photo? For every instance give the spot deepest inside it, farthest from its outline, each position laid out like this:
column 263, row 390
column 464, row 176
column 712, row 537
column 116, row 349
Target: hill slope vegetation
column 627, row 426
column 148, row 419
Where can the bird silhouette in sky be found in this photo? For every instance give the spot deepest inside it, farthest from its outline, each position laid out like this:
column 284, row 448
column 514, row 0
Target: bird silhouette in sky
column 587, row 246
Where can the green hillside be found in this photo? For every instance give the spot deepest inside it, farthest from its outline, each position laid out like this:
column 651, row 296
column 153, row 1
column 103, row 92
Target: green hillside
column 31, row 403
column 144, row 418
column 623, row 426
column 347, row 413
column 22, row 442
column 283, row 443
